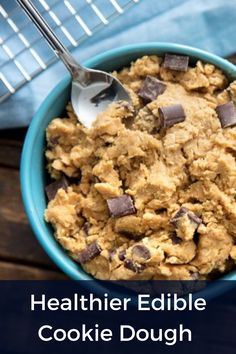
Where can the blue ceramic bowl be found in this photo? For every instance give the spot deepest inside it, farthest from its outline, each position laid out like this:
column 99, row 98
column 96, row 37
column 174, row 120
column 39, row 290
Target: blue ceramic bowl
column 33, row 163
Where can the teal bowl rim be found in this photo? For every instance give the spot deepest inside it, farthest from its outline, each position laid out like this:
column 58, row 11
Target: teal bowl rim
column 59, row 257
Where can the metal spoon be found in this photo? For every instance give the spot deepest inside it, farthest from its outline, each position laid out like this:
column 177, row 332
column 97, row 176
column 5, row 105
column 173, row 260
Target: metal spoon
column 92, row 90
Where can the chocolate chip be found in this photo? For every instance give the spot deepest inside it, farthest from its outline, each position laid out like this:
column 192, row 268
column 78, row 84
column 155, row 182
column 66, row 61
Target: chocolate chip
column 175, row 239
column 141, row 251
column 176, row 62
column 226, row 114
column 122, row 255
column 51, row 189
column 90, row 252
column 135, row 267
column 171, row 115
column 184, row 211
column 151, row 88
column 121, row 206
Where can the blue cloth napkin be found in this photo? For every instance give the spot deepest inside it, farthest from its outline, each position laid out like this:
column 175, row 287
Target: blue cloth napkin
column 205, row 24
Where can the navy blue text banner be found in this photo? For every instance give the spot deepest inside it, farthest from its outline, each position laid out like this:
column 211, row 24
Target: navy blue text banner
column 88, row 317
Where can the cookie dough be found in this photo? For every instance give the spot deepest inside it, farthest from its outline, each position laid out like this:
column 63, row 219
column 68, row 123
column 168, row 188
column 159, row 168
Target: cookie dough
column 150, row 189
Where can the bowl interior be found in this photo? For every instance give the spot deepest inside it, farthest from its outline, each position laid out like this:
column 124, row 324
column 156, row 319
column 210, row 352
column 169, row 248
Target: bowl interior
column 33, row 176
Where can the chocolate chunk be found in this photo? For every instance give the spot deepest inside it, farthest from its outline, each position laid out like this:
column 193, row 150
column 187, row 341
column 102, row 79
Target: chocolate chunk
column 51, row 189
column 122, row 255
column 121, row 206
column 194, row 218
column 141, row 251
column 171, row 115
column 175, row 239
column 135, row 267
column 90, row 252
column 184, row 211
column 226, row 114
column 176, row 62
column 151, row 88
column 181, row 212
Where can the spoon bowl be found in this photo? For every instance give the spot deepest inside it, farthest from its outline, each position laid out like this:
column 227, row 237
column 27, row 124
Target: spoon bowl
column 93, row 98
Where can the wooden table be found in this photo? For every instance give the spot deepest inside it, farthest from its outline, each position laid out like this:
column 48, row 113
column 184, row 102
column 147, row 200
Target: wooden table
column 21, row 257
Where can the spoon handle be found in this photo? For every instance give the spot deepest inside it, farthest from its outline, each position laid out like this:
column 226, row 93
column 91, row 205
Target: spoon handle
column 76, row 70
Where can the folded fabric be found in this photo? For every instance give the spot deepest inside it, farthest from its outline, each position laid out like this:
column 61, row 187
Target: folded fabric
column 205, row 24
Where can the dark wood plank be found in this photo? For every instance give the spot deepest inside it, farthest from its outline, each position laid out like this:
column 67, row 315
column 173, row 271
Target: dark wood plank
column 12, row 271
column 10, row 152
column 17, row 134
column 11, row 142
column 17, row 241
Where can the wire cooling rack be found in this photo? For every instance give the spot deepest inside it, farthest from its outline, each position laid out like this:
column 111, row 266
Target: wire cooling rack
column 24, row 52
